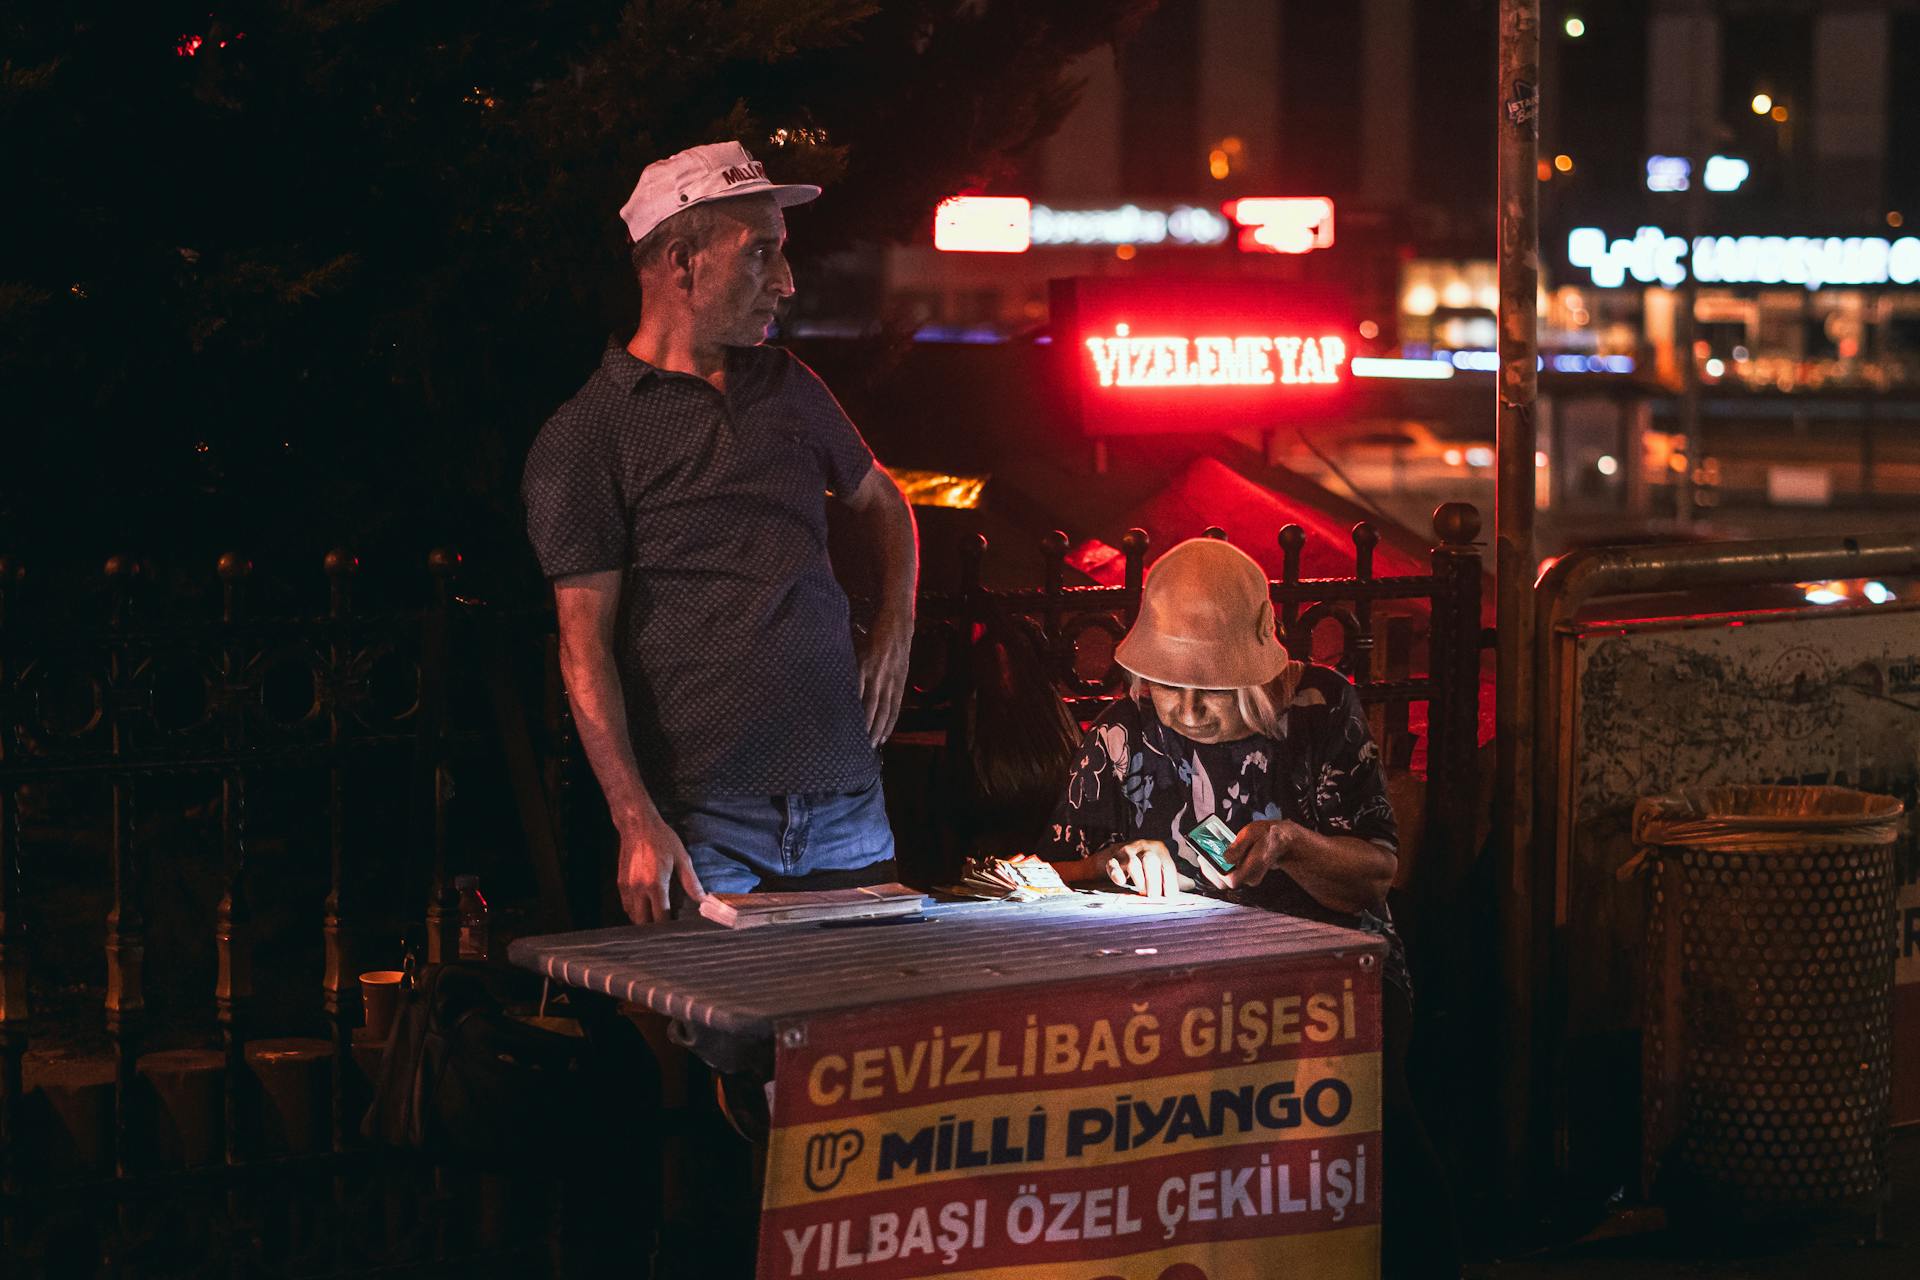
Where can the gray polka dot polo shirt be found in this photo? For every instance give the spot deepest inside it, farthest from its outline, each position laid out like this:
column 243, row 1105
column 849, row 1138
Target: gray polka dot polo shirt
column 734, row 645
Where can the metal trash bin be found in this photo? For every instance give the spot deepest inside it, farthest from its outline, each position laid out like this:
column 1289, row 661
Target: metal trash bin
column 1768, row 1027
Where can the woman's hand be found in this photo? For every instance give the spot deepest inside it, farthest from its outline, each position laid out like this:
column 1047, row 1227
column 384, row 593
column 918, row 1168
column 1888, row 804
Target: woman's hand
column 1342, row 872
column 1259, row 848
column 1144, row 866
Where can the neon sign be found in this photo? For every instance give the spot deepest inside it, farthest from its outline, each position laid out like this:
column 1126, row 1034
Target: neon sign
column 1675, row 173
column 1163, row 354
column 1726, row 173
column 1011, row 224
column 1654, row 257
column 1124, row 360
column 1294, row 224
column 1128, row 224
column 983, row 224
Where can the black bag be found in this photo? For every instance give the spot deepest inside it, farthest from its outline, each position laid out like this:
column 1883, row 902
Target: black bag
column 459, row 1076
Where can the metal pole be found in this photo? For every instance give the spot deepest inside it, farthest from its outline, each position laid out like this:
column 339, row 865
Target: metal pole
column 1513, row 502
column 1701, row 29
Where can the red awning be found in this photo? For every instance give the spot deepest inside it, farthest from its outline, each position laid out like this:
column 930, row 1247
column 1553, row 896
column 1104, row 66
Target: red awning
column 1208, row 492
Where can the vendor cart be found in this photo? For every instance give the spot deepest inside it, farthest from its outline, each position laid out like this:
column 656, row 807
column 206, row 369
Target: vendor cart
column 1092, row 1086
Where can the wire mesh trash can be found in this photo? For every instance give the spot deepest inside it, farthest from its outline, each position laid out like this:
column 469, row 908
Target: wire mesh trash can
column 1767, row 1055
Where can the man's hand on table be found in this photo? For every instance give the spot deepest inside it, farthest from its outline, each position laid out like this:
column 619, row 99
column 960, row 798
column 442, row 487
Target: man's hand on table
column 651, row 858
column 883, row 675
column 1144, row 866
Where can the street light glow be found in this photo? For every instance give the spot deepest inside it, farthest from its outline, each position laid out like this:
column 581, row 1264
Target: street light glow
column 1779, row 113
column 1575, row 28
column 1563, row 162
column 1762, row 104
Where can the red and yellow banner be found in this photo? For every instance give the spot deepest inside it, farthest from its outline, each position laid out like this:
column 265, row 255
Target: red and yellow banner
column 1193, row 1127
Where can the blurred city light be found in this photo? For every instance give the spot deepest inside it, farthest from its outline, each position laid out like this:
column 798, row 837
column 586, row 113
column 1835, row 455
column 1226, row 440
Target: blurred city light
column 1564, row 163
column 1652, row 256
column 1726, row 173
column 1575, row 28
column 983, row 224
column 1674, row 173
column 1607, row 465
column 1275, row 224
column 1128, row 224
column 1762, row 104
column 1878, row 592
column 1779, row 113
column 1381, row 367
column 1668, row 173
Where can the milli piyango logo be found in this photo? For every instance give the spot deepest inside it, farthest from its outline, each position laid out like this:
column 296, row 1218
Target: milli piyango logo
column 829, row 1155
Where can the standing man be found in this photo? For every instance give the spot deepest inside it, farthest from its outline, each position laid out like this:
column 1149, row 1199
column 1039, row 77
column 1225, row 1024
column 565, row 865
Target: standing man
column 678, row 504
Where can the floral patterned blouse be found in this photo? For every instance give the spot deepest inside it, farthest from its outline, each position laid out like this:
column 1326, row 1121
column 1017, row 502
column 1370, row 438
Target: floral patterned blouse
column 1137, row 779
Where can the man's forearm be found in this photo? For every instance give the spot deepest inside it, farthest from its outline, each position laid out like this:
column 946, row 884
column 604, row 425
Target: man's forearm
column 895, row 539
column 600, row 719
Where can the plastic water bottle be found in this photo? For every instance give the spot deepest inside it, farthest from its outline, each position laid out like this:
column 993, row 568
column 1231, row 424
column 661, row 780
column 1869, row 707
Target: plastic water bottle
column 473, row 918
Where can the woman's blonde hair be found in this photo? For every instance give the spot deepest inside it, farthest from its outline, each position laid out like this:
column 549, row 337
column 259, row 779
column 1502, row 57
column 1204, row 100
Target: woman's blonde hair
column 1261, row 705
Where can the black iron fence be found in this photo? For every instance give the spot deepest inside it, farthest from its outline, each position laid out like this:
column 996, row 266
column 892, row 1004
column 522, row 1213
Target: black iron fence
column 1404, row 641
column 346, row 728
column 159, row 711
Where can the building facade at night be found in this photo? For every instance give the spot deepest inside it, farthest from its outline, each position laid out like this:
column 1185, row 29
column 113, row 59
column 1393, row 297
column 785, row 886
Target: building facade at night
column 1743, row 155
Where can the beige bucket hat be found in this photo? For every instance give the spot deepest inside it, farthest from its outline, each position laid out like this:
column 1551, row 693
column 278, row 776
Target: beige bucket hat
column 1206, row 621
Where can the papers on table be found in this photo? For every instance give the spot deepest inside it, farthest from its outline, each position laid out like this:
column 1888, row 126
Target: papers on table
column 1021, row 878
column 748, row 910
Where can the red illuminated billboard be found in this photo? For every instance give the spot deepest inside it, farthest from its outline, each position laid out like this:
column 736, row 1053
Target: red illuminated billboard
column 1157, row 355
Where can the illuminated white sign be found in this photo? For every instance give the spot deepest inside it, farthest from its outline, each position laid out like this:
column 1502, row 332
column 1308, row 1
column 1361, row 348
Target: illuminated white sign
column 1668, row 173
column 1675, row 173
column 1283, row 224
column 1126, row 361
column 1726, row 173
column 1482, row 361
column 1654, row 257
column 981, row 224
column 1128, row 224
column 1385, row 367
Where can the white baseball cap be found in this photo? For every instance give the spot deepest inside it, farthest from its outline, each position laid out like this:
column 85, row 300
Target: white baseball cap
column 715, row 171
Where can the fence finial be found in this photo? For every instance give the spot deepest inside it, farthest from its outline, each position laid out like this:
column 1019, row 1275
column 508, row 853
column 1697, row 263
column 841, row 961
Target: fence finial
column 1215, row 532
column 1365, row 539
column 1293, row 539
column 1457, row 523
column 973, row 556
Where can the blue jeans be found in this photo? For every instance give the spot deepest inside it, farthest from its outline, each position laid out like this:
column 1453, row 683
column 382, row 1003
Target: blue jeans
column 737, row 842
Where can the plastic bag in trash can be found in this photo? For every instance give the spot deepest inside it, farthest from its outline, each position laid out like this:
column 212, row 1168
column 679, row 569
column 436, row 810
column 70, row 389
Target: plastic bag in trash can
column 1763, row 817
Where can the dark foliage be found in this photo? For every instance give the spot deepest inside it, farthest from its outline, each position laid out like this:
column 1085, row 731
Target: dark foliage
column 303, row 273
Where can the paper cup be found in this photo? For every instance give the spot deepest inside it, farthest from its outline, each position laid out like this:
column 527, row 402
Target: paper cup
column 380, row 993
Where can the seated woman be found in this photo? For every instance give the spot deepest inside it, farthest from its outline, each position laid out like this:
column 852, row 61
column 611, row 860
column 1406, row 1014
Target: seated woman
column 1222, row 723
